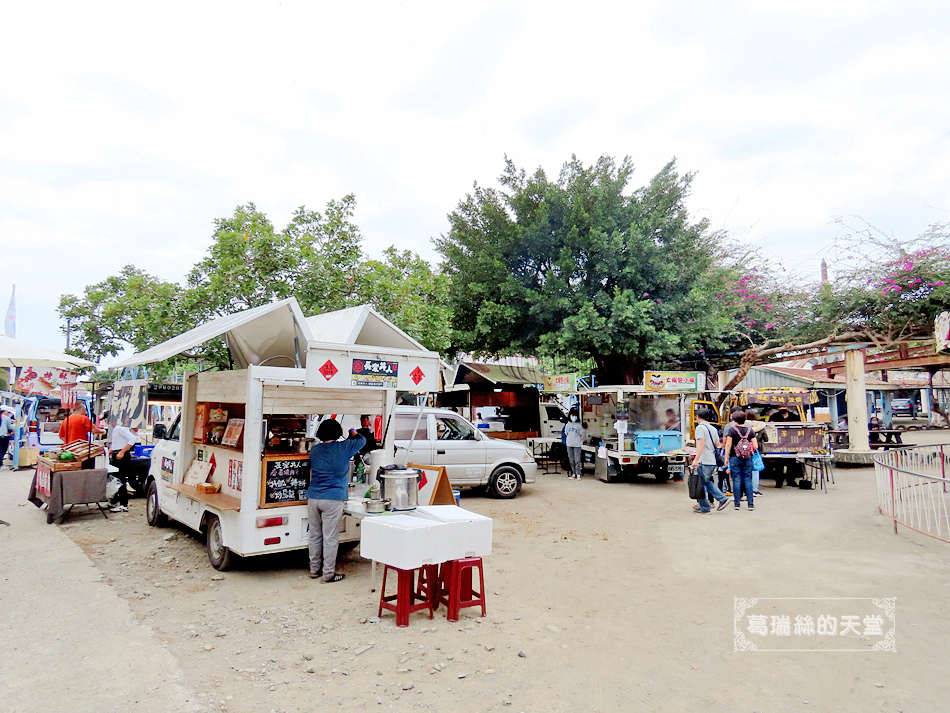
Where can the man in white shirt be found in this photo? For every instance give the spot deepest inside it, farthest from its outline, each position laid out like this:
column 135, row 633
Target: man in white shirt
column 124, row 439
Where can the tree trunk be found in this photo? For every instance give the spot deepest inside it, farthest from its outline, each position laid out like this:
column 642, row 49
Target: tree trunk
column 614, row 369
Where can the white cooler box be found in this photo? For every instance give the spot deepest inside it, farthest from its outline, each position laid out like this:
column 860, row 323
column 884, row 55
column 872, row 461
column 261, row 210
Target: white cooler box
column 467, row 534
column 402, row 541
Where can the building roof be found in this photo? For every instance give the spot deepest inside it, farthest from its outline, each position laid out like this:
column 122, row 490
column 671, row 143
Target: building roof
column 764, row 376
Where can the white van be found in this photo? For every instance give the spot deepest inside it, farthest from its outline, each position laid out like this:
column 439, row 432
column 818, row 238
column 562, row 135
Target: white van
column 471, row 458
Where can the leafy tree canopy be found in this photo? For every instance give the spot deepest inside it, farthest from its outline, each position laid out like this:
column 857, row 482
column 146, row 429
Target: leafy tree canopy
column 317, row 258
column 581, row 266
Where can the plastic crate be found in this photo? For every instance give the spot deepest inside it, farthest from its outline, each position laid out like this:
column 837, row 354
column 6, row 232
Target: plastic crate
column 141, row 451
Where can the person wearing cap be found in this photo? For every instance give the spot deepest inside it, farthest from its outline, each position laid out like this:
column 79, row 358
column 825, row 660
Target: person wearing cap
column 6, row 432
column 124, row 438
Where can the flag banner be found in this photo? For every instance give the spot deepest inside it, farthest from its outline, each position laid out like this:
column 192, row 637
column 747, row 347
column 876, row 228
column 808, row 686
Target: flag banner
column 9, row 321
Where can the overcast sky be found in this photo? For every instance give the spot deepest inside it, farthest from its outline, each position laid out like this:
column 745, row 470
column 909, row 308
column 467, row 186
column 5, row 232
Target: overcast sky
column 127, row 128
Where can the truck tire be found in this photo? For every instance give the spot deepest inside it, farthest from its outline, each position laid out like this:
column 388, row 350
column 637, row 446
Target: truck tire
column 505, row 482
column 153, row 513
column 219, row 556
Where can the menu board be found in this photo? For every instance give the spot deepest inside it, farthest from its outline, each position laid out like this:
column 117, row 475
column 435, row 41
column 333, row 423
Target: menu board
column 795, row 438
column 284, row 481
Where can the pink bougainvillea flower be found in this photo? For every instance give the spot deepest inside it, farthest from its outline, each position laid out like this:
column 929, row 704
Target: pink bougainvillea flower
column 646, row 294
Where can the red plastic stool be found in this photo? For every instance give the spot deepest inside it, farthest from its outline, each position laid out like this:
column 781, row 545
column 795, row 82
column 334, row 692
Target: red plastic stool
column 427, row 585
column 405, row 597
column 455, row 588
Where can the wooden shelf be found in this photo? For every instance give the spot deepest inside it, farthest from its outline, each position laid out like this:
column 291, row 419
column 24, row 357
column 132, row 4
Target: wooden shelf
column 215, row 500
column 218, row 445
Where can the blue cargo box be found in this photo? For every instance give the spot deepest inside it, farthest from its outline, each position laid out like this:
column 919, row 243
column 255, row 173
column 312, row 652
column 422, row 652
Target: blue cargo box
column 650, row 443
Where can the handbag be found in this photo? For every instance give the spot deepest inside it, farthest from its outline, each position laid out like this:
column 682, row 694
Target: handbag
column 757, row 462
column 720, row 458
column 697, row 486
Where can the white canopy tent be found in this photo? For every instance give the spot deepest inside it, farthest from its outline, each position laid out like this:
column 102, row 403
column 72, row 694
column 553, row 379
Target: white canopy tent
column 14, row 353
column 275, row 334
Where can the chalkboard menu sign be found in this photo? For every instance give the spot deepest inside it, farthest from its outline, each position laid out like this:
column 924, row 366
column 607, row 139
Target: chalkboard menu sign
column 284, row 481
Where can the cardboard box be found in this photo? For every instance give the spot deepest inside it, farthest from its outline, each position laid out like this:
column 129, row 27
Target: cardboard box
column 402, row 541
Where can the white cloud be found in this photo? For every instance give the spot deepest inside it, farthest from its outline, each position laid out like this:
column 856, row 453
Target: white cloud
column 125, row 130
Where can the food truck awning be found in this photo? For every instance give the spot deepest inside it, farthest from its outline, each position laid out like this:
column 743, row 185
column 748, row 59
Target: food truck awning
column 14, row 353
column 274, row 335
column 361, row 325
column 472, row 372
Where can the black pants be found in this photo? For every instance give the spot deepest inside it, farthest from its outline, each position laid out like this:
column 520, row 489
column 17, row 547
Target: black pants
column 4, row 444
column 123, row 464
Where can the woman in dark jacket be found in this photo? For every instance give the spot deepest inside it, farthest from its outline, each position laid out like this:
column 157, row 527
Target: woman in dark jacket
column 328, row 491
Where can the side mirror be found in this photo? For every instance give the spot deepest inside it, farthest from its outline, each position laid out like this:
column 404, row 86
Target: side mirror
column 159, row 432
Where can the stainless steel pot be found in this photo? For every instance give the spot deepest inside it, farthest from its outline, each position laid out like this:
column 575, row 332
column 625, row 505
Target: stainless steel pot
column 400, row 486
column 375, row 506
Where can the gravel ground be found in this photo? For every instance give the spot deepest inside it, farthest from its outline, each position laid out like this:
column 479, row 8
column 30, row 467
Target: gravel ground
column 600, row 597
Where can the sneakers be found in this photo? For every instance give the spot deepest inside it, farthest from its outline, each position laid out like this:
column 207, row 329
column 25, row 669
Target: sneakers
column 316, row 575
column 752, row 507
column 119, row 508
column 737, row 506
column 722, row 505
column 757, row 494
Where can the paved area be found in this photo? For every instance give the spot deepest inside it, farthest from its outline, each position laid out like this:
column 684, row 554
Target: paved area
column 69, row 642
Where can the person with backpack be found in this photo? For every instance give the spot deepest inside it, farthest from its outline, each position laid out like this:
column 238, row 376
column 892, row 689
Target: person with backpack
column 707, row 440
column 740, row 444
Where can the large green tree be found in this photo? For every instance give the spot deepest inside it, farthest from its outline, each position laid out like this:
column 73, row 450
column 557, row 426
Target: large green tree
column 317, row 258
column 406, row 290
column 129, row 309
column 585, row 267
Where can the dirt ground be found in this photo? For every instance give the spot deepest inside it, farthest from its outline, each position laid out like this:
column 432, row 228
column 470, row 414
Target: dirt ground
column 600, row 598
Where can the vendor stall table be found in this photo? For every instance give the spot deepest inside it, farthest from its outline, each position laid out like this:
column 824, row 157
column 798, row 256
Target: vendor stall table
column 817, row 468
column 892, row 438
column 545, row 452
column 60, row 490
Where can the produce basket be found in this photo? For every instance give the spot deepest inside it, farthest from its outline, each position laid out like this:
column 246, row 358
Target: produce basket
column 57, row 465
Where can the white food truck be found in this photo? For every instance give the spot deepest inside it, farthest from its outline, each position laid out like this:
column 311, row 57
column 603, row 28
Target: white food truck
column 640, row 430
column 245, row 431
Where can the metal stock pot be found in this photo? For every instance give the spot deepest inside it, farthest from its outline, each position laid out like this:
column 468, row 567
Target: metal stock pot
column 400, row 486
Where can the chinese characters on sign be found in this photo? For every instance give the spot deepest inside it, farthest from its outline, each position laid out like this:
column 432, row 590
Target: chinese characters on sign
column 839, row 624
column 375, row 372
column 674, row 380
column 560, row 382
column 235, row 473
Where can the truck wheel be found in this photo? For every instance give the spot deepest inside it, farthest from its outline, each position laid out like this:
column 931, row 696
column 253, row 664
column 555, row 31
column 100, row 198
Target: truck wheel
column 219, row 555
column 505, row 482
column 153, row 514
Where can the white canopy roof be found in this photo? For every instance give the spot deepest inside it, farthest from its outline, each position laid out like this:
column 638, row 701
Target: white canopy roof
column 14, row 353
column 275, row 335
column 278, row 335
column 361, row 325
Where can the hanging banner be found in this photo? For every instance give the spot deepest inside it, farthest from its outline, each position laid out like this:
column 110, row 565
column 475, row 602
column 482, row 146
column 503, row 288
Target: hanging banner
column 560, row 382
column 674, row 381
column 44, row 382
